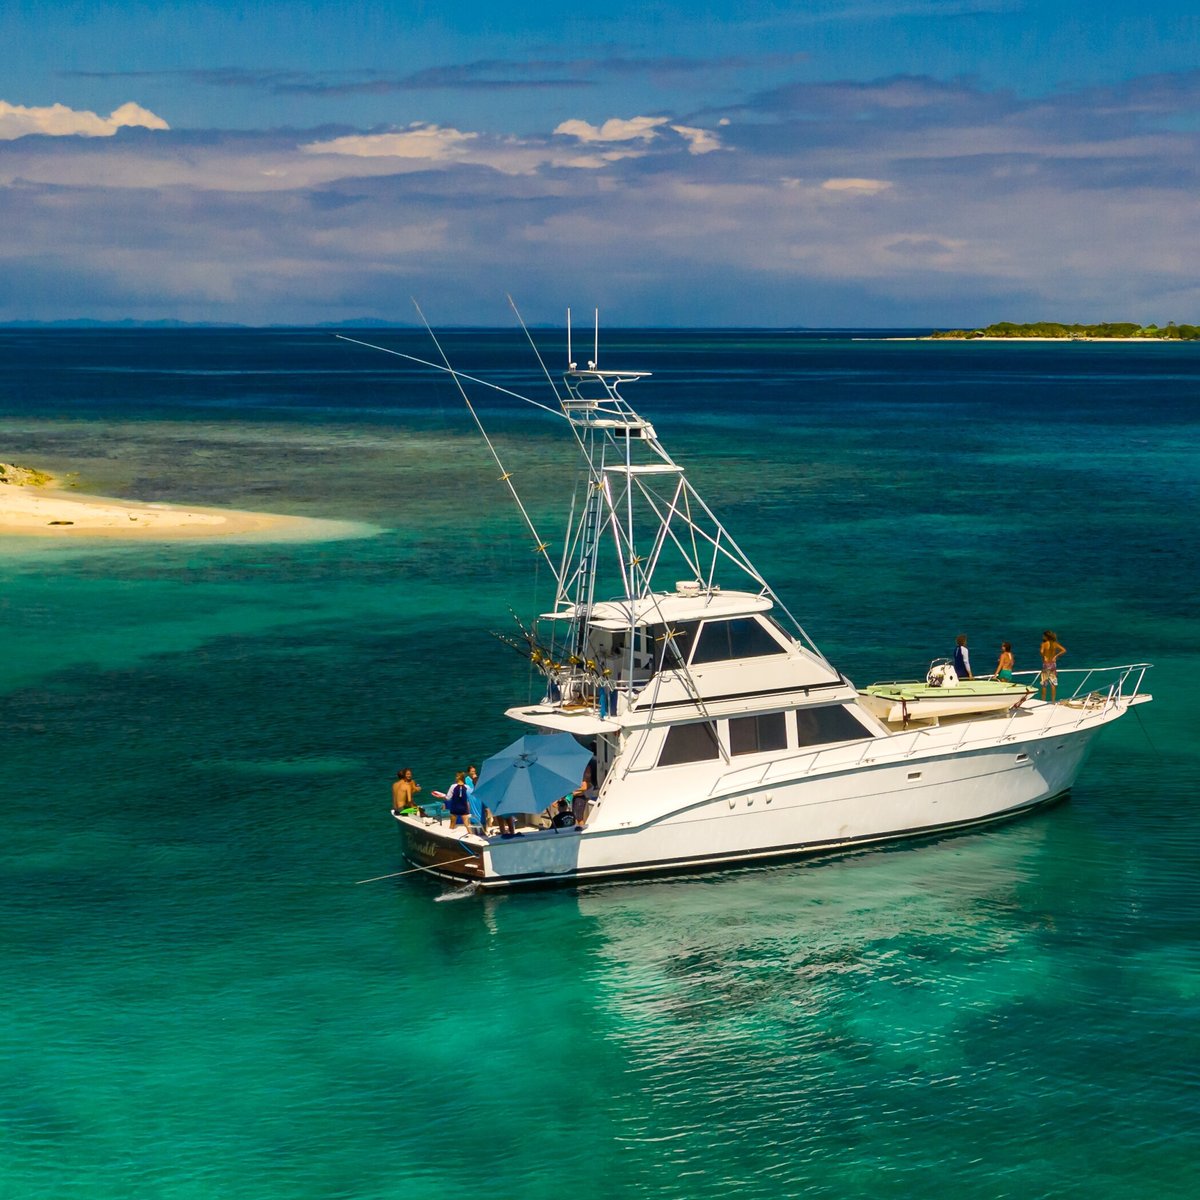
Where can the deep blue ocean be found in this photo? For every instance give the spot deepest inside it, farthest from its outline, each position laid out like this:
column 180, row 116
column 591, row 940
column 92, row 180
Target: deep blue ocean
column 198, row 741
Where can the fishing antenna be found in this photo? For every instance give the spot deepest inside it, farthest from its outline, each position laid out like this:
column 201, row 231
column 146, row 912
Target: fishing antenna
column 533, row 345
column 540, row 547
column 341, row 337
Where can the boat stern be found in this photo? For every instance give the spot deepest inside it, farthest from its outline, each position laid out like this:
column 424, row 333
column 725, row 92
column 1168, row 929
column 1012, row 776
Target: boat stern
column 430, row 845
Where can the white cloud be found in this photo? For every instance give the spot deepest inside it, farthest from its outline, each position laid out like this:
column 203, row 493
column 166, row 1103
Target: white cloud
column 613, row 130
column 58, row 120
column 434, row 145
column 700, row 141
column 862, row 187
column 434, row 142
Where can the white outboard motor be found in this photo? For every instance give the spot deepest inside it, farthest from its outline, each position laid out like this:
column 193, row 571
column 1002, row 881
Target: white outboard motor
column 942, row 674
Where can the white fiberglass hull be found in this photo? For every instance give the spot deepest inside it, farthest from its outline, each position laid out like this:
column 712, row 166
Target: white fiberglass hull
column 915, row 795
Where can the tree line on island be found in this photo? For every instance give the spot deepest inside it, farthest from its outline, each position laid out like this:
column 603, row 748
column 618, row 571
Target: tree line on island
column 1052, row 329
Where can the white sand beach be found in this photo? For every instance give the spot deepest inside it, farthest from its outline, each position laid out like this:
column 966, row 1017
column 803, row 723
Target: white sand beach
column 30, row 504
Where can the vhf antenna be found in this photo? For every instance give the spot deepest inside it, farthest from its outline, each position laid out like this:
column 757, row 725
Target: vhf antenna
column 595, row 343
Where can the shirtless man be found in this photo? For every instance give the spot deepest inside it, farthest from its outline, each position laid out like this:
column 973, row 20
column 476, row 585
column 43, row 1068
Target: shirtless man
column 1051, row 652
column 404, row 790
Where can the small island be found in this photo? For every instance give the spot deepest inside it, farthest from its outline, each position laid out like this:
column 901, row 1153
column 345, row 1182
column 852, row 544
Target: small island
column 32, row 504
column 1115, row 331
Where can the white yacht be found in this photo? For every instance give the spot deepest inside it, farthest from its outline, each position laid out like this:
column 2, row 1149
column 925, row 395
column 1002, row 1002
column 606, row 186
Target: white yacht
column 721, row 734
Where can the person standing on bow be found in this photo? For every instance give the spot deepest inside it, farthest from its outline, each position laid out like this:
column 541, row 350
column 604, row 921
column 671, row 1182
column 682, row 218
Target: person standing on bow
column 962, row 658
column 1004, row 667
column 1051, row 653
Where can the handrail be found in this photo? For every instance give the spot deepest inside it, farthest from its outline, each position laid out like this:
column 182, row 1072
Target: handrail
column 1116, row 688
column 850, row 754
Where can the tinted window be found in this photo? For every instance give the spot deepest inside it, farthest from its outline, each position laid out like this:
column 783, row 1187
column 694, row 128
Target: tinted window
column 832, row 723
column 689, row 743
column 682, row 633
column 742, row 637
column 749, row 735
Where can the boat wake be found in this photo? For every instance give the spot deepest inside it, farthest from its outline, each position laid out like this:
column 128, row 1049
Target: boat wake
column 458, row 893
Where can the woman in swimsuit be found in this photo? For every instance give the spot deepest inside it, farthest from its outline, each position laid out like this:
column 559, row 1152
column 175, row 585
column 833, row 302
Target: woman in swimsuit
column 1051, row 653
column 1004, row 667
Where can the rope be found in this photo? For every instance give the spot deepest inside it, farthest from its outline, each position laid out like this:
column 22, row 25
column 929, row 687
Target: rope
column 414, row 870
column 1146, row 733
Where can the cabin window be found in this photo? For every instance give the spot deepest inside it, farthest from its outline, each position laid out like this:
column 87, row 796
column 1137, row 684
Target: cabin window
column 689, row 743
column 683, row 633
column 743, row 637
column 829, row 723
column 750, row 735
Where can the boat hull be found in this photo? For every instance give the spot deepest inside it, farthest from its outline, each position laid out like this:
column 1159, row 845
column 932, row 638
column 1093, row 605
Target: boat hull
column 915, row 797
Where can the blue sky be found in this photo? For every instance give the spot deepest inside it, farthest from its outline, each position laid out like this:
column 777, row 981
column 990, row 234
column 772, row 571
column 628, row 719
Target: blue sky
column 828, row 163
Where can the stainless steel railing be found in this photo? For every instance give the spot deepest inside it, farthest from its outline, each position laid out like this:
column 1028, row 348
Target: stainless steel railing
column 1115, row 683
column 1123, row 686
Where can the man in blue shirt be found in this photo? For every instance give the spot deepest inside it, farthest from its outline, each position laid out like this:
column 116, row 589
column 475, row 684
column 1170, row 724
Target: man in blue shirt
column 962, row 658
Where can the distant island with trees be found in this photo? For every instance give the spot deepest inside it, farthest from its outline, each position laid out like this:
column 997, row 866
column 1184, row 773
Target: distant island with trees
column 1123, row 331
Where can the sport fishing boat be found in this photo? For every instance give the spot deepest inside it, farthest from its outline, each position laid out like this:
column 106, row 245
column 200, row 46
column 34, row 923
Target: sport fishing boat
column 718, row 731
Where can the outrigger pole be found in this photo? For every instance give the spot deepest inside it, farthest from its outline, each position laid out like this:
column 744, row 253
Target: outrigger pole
column 721, row 542
column 540, row 547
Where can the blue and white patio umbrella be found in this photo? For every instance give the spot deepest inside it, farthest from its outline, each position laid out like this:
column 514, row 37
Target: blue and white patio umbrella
column 531, row 774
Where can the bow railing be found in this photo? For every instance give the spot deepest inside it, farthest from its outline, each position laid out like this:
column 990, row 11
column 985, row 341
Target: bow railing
column 1092, row 698
column 1112, row 683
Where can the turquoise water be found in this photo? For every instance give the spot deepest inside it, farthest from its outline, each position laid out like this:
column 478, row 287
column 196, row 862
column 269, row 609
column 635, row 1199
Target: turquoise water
column 198, row 742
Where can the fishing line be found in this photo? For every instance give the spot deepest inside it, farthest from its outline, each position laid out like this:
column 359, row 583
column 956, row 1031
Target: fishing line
column 1146, row 733
column 413, row 870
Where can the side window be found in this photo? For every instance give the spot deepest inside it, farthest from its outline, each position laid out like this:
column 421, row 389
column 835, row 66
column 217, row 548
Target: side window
column 682, row 633
column 743, row 637
column 749, row 735
column 689, row 743
column 830, row 723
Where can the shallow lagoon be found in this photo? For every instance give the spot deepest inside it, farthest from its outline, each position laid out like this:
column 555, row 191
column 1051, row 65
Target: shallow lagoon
column 198, row 741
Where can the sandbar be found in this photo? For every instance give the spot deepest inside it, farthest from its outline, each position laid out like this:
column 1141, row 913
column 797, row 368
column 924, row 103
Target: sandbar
column 42, row 510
